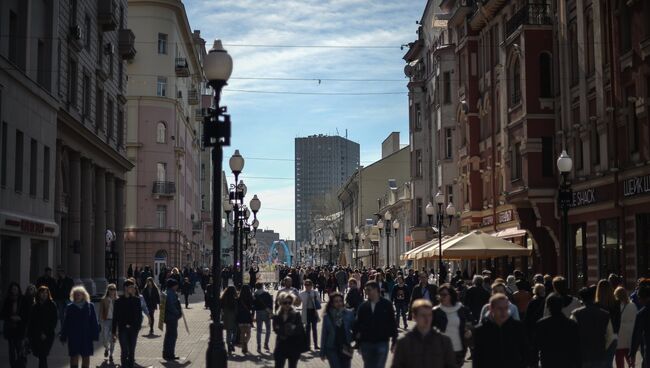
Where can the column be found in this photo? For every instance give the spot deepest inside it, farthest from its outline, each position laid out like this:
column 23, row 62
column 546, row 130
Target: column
column 86, row 261
column 99, row 269
column 110, row 205
column 119, row 228
column 75, row 218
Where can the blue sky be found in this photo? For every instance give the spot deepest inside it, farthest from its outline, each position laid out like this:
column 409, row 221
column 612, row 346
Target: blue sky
column 265, row 125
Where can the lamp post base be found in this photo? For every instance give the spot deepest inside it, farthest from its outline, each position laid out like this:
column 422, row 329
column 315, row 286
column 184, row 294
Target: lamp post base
column 216, row 356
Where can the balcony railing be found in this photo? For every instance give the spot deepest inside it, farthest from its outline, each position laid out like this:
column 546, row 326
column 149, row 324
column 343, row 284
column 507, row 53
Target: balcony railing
column 182, row 69
column 164, row 188
column 534, row 14
column 199, row 114
column 107, row 15
column 193, row 96
column 126, row 44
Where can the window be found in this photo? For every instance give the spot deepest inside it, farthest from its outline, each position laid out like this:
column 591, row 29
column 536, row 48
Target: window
column 448, row 142
column 33, row 165
column 578, row 153
column 87, row 28
column 161, row 87
column 99, row 108
column 100, row 50
column 450, row 194
column 609, row 247
column 545, row 76
column 515, row 83
column 86, row 96
column 46, row 173
column 589, row 42
column 646, row 15
column 633, row 130
column 516, row 162
column 162, row 43
column 643, row 243
column 18, row 175
column 547, row 157
column 580, row 253
column 595, row 144
column 109, row 119
column 625, row 31
column 418, row 163
column 446, row 85
column 73, row 12
column 13, row 37
column 418, row 211
column 58, row 74
column 418, row 117
column 3, row 164
column 161, row 132
column 120, row 128
column 573, row 51
column 161, row 172
column 72, row 82
column 161, row 216
column 120, row 75
column 110, row 64
column 42, row 65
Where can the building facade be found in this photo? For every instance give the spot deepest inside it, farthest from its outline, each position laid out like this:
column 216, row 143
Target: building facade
column 164, row 222
column 76, row 52
column 322, row 164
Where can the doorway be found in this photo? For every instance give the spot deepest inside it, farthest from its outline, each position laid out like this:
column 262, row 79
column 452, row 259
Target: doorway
column 159, row 263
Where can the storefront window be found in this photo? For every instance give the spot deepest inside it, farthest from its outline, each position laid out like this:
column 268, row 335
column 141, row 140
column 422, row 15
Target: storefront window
column 609, row 247
column 580, row 254
column 643, row 245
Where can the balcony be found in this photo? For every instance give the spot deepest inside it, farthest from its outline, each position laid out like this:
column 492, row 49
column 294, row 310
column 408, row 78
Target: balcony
column 126, row 44
column 193, row 96
column 199, row 114
column 107, row 15
column 182, row 69
column 531, row 14
column 163, row 189
column 75, row 38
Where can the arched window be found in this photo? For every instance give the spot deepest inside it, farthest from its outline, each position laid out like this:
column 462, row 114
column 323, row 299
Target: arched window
column 161, row 132
column 545, row 75
column 515, row 82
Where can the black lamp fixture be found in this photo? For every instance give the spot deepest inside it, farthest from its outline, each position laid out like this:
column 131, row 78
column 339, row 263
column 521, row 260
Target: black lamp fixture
column 450, row 211
column 565, row 199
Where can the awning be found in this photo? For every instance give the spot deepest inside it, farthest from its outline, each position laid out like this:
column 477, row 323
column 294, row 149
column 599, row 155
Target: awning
column 511, row 232
column 434, row 250
column 480, row 245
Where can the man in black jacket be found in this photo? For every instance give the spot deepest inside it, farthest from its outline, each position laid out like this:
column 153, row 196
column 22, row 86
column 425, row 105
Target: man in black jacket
column 476, row 297
column 424, row 290
column 500, row 341
column 556, row 338
column 61, row 293
column 127, row 320
column 641, row 334
column 374, row 326
column 594, row 328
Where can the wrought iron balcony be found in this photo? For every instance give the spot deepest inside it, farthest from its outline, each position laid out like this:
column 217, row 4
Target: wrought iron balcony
column 193, row 96
column 182, row 69
column 164, row 188
column 107, row 15
column 531, row 14
column 126, row 44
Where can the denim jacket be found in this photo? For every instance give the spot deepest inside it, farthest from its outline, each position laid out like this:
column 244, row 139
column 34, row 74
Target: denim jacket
column 172, row 307
column 328, row 333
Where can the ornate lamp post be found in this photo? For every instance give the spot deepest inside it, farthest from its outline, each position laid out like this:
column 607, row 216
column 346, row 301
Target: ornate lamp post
column 395, row 228
column 217, row 66
column 388, row 216
column 356, row 246
column 565, row 194
column 450, row 212
column 380, row 226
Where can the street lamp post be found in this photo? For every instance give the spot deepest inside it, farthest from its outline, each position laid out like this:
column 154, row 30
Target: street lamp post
column 356, row 246
column 565, row 199
column 450, row 211
column 388, row 216
column 380, row 226
column 216, row 134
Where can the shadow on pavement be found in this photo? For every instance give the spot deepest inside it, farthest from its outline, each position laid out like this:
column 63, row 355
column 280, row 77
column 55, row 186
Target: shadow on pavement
column 173, row 364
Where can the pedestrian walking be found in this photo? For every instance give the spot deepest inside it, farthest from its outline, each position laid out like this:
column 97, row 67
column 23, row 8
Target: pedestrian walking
column 151, row 296
column 500, row 340
column 311, row 304
column 106, row 312
column 374, row 327
column 288, row 288
column 354, row 297
column 595, row 329
column 80, row 327
column 187, row 289
column 252, row 273
column 15, row 314
column 290, row 340
column 424, row 290
column 476, row 297
column 605, row 299
column 173, row 313
column 47, row 280
column 423, row 346
column 454, row 320
column 64, row 285
column 400, row 297
column 263, row 313
column 535, row 310
column 342, row 279
column 628, row 315
column 556, row 338
column 499, row 288
column 229, row 316
column 127, row 321
column 245, row 316
column 336, row 333
column 641, row 333
column 42, row 322
column 559, row 286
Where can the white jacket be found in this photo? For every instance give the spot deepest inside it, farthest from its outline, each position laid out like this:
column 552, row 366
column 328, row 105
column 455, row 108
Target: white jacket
column 628, row 316
column 304, row 298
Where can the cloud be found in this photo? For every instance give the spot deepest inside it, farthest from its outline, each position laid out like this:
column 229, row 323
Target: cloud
column 277, row 208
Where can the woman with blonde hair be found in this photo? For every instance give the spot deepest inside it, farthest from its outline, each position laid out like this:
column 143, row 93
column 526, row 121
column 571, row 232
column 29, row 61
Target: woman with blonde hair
column 106, row 320
column 628, row 316
column 80, row 327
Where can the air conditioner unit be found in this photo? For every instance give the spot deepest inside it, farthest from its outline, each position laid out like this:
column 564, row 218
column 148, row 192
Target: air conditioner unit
column 109, row 49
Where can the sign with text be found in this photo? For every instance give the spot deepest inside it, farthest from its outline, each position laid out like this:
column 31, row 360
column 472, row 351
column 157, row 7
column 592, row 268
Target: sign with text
column 583, row 197
column 636, row 185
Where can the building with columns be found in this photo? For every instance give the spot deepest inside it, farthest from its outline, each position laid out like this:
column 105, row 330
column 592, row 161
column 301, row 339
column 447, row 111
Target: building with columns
column 63, row 93
column 164, row 223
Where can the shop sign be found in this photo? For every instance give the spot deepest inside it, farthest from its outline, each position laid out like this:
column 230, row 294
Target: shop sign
column 30, row 226
column 636, row 185
column 505, row 216
column 583, row 197
column 487, row 221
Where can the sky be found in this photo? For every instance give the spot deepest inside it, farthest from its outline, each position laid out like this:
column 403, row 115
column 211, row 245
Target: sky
column 265, row 124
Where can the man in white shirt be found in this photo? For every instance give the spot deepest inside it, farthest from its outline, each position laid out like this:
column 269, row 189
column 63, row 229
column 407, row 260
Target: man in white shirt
column 311, row 303
column 287, row 288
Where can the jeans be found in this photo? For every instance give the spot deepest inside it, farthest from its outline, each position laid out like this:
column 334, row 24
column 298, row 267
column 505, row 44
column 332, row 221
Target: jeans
column 337, row 360
column 279, row 362
column 312, row 323
column 152, row 313
column 231, row 335
column 611, row 353
column 244, row 336
column 60, row 307
column 263, row 318
column 128, row 340
column 171, row 334
column 374, row 354
column 16, row 359
column 400, row 309
column 107, row 335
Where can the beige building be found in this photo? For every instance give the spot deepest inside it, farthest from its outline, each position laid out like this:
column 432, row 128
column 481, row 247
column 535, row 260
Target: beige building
column 361, row 196
column 165, row 218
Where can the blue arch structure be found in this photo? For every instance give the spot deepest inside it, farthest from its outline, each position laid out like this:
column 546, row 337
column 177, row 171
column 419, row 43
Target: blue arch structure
column 273, row 250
